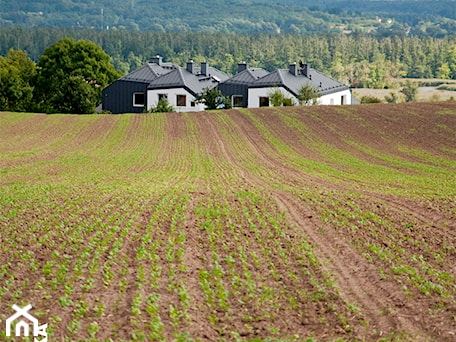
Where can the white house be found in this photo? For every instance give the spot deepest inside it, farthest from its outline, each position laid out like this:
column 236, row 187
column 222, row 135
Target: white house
column 290, row 81
column 236, row 88
column 141, row 90
column 182, row 86
column 129, row 93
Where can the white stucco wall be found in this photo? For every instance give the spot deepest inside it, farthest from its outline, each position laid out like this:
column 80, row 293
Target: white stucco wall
column 152, row 99
column 256, row 93
column 331, row 99
column 336, row 98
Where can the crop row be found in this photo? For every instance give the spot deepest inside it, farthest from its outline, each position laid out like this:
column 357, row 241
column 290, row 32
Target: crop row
column 413, row 253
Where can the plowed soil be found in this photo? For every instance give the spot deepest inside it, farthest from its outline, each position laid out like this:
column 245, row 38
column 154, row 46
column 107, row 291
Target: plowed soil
column 304, row 223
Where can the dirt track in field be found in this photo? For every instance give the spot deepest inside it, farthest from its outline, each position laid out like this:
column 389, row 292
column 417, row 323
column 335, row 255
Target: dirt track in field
column 349, row 181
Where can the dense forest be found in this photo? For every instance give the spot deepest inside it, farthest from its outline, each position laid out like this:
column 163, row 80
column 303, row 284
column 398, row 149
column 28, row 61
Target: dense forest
column 71, row 72
column 380, row 17
column 357, row 61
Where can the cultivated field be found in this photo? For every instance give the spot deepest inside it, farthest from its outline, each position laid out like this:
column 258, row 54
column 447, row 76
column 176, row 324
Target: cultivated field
column 424, row 93
column 328, row 223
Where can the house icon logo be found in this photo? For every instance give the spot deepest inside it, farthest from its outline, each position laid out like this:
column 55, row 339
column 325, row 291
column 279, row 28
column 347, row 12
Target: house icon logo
column 23, row 321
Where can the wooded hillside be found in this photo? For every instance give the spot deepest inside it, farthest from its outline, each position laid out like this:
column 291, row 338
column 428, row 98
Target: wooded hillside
column 352, row 60
column 434, row 18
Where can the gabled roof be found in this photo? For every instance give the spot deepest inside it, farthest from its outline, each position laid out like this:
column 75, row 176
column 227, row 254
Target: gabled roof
column 149, row 72
column 247, row 76
column 293, row 82
column 194, row 82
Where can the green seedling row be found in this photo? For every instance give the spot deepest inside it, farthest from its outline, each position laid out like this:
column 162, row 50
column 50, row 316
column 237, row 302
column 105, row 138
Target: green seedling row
column 231, row 225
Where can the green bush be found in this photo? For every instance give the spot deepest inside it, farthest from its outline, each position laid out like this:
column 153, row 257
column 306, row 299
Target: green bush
column 392, row 98
column 410, row 91
column 162, row 106
column 287, row 102
column 214, row 99
column 370, row 99
column 449, row 87
column 278, row 98
column 308, row 95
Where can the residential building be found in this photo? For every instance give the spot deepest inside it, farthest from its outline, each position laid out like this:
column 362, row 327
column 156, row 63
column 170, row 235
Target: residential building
column 182, row 86
column 236, row 88
column 291, row 80
column 142, row 89
column 129, row 93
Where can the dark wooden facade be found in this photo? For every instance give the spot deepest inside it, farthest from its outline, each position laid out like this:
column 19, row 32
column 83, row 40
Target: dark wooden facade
column 118, row 97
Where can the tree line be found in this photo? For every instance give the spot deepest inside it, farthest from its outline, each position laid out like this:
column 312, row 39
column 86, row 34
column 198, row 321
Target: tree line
column 68, row 78
column 172, row 15
column 356, row 60
column 33, row 60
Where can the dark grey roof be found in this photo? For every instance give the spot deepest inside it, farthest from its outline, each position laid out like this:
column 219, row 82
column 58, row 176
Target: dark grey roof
column 149, row 72
column 194, row 82
column 283, row 77
column 246, row 76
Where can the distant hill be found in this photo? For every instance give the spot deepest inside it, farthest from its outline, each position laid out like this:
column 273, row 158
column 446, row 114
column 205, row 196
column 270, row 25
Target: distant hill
column 435, row 18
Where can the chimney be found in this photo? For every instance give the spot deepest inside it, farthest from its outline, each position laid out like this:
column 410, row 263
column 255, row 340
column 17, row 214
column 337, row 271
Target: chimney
column 190, row 66
column 294, row 69
column 242, row 66
column 157, row 60
column 305, row 69
column 205, row 68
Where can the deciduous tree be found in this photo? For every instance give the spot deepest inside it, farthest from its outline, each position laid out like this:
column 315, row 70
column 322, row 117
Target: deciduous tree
column 71, row 76
column 17, row 71
column 213, row 99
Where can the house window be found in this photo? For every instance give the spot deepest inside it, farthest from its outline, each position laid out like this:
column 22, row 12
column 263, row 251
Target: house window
column 162, row 96
column 264, row 101
column 138, row 100
column 238, row 101
column 192, row 104
column 342, row 100
column 181, row 100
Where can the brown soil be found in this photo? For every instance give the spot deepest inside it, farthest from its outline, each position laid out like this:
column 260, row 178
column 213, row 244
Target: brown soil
column 213, row 158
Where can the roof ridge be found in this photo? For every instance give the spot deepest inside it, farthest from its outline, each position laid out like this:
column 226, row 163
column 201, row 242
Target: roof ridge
column 152, row 69
column 264, row 76
column 279, row 71
column 250, row 72
column 181, row 75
